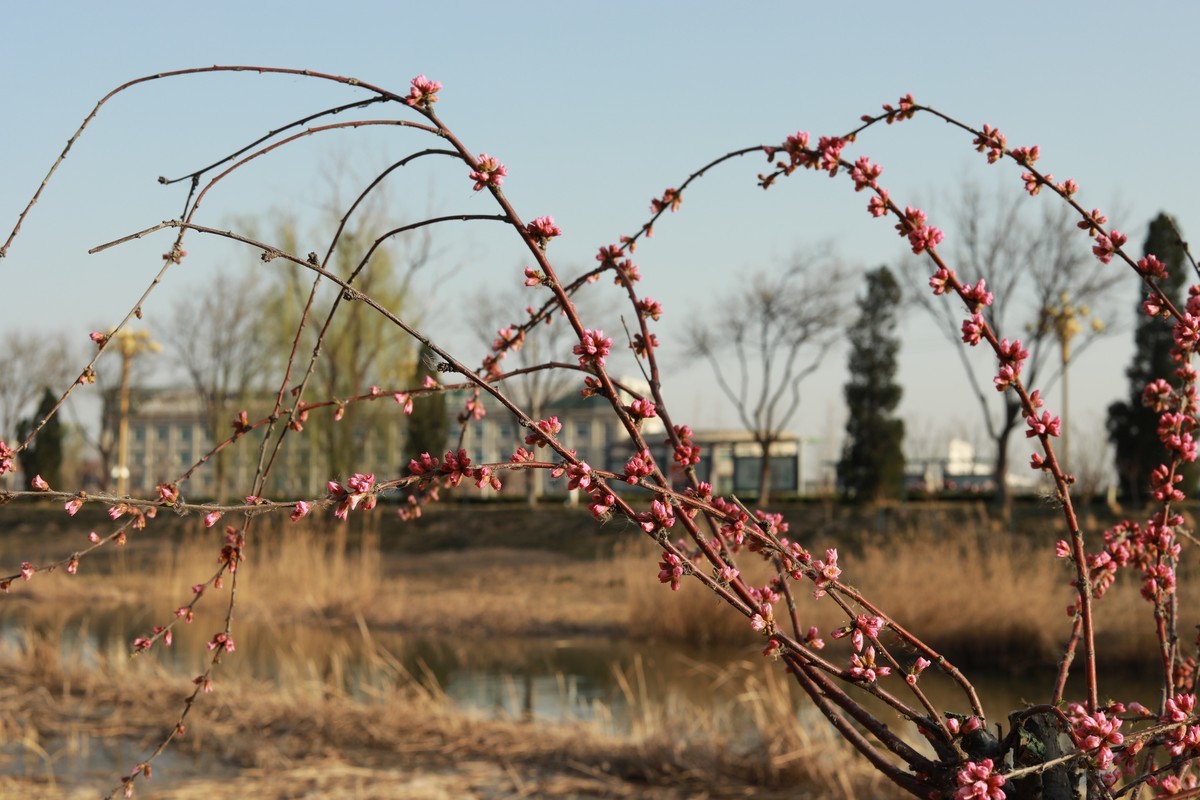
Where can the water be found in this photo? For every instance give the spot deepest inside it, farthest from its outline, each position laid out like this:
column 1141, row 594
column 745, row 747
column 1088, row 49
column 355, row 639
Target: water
column 612, row 683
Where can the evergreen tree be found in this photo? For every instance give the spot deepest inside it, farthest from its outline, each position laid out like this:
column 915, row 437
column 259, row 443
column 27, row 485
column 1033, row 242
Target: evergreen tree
column 1132, row 427
column 44, row 456
column 872, row 463
column 428, row 426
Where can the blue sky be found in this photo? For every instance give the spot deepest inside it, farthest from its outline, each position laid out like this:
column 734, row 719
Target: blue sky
column 595, row 108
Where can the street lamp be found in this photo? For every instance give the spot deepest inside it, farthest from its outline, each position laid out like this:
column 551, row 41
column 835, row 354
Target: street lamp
column 1066, row 320
column 130, row 344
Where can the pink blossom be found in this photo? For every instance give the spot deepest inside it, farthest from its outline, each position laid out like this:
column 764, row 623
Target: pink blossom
column 6, row 457
column 1106, row 245
column 211, row 518
column 1092, row 222
column 301, row 510
column 826, row 571
column 1046, row 426
column 593, row 348
column 878, row 204
column 94, row 537
column 423, row 93
column 168, row 493
column 942, row 281
column 404, row 400
column 642, row 408
column 925, row 237
column 977, row 780
column 1026, row 156
column 977, row 295
column 542, row 230
column 864, row 668
column 1151, row 267
column 579, row 476
column 27, row 570
column 640, row 465
column 534, row 277
column 490, row 172
column 73, row 505
column 993, row 141
column 99, row 337
column 1097, row 732
column 456, row 466
column 423, row 465
column 972, row 329
column 671, row 199
column 670, row 570
column 865, row 174
column 601, row 505
column 40, row 484
column 545, row 429
column 660, row 516
column 649, row 308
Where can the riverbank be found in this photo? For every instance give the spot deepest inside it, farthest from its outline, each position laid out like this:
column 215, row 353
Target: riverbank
column 469, row 576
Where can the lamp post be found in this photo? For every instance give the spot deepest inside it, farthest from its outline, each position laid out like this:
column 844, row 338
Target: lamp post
column 130, row 344
column 1066, row 320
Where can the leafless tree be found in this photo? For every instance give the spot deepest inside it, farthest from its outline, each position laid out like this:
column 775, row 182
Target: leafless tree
column 765, row 340
column 220, row 343
column 552, row 341
column 1032, row 265
column 30, row 362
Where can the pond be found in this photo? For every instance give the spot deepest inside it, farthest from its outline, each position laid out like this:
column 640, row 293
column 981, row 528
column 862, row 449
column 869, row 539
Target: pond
column 609, row 681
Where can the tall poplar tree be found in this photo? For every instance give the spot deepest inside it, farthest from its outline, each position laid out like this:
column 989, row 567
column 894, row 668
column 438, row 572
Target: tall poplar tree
column 1132, row 427
column 428, row 426
column 44, row 456
column 872, row 463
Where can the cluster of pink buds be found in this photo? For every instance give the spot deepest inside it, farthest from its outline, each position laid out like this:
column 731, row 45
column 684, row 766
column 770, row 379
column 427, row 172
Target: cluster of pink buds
column 593, row 348
column 993, row 141
column 686, row 452
column 979, row 781
column 659, row 517
column 826, row 571
column 1012, row 358
column 359, row 491
column 1096, row 733
column 640, row 465
column 6, row 457
column 223, row 641
column 1107, row 244
column 863, row 627
column 542, row 230
column 490, row 172
column 670, row 570
column 671, row 199
column 545, row 429
column 424, row 92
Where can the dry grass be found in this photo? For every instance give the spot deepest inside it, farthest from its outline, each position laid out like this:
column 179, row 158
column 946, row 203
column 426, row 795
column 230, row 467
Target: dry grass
column 980, row 597
column 405, row 741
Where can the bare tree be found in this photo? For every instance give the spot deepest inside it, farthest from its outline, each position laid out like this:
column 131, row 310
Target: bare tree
column 491, row 320
column 30, row 363
column 765, row 341
column 358, row 349
column 219, row 342
column 1033, row 266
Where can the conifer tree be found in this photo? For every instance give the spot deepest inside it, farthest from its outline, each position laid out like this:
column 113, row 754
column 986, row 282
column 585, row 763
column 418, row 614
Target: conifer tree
column 872, row 463
column 427, row 425
column 44, row 456
column 1131, row 425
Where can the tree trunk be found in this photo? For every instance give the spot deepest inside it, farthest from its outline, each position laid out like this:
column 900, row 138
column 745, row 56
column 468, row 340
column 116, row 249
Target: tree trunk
column 764, row 472
column 1003, row 499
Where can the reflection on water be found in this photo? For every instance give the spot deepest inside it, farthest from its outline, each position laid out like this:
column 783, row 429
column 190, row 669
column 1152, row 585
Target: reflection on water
column 609, row 681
